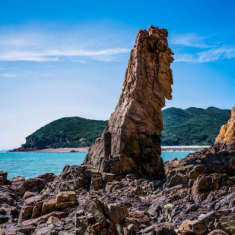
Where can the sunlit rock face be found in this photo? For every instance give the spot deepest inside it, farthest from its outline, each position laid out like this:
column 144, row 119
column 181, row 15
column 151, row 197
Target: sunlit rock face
column 131, row 140
column 225, row 141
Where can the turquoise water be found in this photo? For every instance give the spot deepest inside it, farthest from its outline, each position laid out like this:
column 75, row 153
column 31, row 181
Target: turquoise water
column 33, row 164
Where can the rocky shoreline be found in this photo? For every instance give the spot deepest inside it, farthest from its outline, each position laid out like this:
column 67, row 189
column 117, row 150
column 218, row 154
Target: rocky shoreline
column 196, row 197
column 123, row 187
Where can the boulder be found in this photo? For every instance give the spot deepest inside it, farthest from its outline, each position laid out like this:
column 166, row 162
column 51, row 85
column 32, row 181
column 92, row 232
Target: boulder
column 108, row 177
column 54, row 220
column 117, row 212
column 3, row 178
column 36, row 206
column 36, row 185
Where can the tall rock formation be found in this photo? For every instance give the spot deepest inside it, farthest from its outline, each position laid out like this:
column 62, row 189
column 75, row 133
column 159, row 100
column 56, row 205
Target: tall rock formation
column 225, row 141
column 131, row 141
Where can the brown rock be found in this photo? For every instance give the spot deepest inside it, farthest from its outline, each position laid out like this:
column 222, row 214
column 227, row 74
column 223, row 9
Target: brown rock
column 227, row 132
column 217, row 232
column 36, row 185
column 117, row 212
column 96, row 181
column 67, row 196
column 184, row 228
column 53, row 220
column 28, row 194
column 139, row 217
column 225, row 141
column 47, row 230
column 72, row 178
column 28, row 208
column 27, row 229
column 48, row 206
column 3, row 177
column 44, row 218
column 131, row 140
column 17, row 184
column 212, row 182
column 108, row 177
column 2, row 232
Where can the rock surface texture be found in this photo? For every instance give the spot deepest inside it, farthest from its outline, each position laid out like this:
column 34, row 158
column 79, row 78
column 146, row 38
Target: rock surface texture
column 131, row 140
column 225, row 141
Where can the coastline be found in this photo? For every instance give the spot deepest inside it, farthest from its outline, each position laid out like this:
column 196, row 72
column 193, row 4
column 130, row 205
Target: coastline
column 62, row 150
column 191, row 148
column 58, row 150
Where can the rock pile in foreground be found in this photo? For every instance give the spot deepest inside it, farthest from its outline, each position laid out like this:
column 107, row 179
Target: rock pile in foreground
column 197, row 197
column 131, row 141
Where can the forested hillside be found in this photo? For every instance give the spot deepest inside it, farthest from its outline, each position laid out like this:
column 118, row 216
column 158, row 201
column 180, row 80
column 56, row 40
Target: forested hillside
column 192, row 126
column 66, row 133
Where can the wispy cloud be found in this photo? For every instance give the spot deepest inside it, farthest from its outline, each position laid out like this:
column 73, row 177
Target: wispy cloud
column 199, row 50
column 223, row 52
column 25, row 74
column 190, row 40
column 55, row 55
column 8, row 75
column 79, row 61
column 212, row 55
column 42, row 47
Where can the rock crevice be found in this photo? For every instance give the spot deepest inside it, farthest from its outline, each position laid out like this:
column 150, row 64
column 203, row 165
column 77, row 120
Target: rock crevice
column 131, row 140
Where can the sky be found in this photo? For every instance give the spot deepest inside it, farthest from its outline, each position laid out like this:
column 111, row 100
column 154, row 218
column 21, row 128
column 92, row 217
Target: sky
column 62, row 58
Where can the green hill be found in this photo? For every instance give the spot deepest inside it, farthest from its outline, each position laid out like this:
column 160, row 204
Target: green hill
column 192, row 126
column 66, row 132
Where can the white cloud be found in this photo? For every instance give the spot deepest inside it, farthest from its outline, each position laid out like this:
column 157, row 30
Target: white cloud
column 223, row 52
column 48, row 46
column 79, row 61
column 8, row 75
column 55, row 55
column 190, row 40
column 212, row 55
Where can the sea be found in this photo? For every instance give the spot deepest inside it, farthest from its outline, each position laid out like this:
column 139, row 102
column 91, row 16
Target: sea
column 31, row 165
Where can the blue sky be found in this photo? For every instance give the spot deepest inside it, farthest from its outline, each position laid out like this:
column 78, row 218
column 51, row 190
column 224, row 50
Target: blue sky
column 68, row 58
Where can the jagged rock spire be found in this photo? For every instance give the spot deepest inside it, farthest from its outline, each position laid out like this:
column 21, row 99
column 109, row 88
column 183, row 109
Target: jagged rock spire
column 131, row 141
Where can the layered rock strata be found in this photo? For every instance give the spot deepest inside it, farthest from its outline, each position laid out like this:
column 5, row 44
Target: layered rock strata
column 225, row 141
column 131, row 140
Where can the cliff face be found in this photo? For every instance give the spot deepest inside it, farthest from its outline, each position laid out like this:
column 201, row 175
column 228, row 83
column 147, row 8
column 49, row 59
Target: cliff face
column 225, row 141
column 227, row 132
column 131, row 140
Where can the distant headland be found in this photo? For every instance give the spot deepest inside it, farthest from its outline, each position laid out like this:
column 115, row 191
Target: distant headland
column 182, row 127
